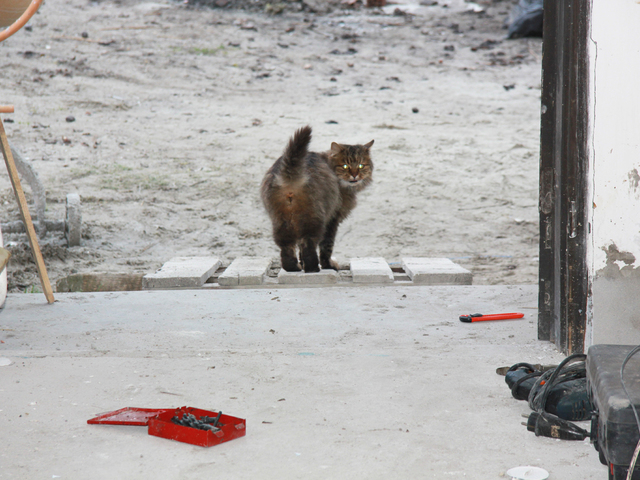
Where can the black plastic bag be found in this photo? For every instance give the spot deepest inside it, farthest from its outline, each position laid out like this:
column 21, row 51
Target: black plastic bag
column 525, row 19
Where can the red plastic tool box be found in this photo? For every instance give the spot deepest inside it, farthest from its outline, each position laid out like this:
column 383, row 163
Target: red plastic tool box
column 160, row 424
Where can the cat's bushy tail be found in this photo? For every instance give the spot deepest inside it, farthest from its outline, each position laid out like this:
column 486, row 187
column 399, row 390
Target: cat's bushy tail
column 296, row 149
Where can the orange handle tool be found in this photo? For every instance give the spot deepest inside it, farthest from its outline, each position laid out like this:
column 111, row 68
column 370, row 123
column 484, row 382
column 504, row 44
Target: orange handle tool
column 478, row 317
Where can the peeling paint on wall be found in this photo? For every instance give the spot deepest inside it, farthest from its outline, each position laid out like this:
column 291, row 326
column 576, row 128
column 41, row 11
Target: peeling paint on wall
column 634, row 180
column 614, row 249
column 614, row 131
column 619, row 264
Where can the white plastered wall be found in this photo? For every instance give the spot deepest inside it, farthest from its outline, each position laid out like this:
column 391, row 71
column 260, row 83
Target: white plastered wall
column 614, row 249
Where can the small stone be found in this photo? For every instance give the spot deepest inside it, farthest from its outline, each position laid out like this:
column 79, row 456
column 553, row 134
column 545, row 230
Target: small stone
column 415, row 110
column 70, row 118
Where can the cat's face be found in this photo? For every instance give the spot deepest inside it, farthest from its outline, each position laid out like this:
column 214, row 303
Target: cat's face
column 352, row 164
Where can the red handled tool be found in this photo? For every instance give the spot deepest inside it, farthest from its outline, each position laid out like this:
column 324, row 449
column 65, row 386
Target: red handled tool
column 478, row 317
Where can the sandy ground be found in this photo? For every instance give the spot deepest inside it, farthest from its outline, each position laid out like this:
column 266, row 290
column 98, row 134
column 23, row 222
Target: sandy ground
column 178, row 111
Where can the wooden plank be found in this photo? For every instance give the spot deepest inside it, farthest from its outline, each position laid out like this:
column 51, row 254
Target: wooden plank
column 576, row 294
column 26, row 216
column 4, row 258
column 550, row 119
column 563, row 277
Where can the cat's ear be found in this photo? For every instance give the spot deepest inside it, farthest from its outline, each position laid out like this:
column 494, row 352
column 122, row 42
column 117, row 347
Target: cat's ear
column 335, row 148
column 368, row 145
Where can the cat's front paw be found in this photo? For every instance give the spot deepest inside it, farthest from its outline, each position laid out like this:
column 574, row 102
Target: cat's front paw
column 311, row 268
column 291, row 266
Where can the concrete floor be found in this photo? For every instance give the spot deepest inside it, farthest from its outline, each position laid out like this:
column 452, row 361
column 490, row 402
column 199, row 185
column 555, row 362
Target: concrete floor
column 334, row 383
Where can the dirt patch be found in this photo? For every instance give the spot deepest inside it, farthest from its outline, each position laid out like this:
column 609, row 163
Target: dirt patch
column 165, row 116
column 276, row 7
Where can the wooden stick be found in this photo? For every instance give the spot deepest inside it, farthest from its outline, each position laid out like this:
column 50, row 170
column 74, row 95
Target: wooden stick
column 4, row 258
column 26, row 216
column 6, row 108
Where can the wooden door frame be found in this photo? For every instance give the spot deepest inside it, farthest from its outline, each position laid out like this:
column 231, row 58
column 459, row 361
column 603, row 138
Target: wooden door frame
column 564, row 284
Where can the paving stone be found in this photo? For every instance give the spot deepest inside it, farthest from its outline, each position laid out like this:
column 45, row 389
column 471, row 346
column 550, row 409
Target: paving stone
column 370, row 270
column 100, row 282
column 436, row 271
column 185, row 272
column 323, row 277
column 245, row 271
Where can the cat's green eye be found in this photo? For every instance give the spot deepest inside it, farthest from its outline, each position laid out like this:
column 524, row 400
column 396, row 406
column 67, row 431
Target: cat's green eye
column 361, row 166
column 345, row 166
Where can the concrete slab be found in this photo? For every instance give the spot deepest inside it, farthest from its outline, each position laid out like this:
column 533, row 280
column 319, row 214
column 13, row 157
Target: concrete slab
column 370, row 270
column 245, row 271
column 182, row 272
column 353, row 382
column 323, row 277
column 436, row 271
